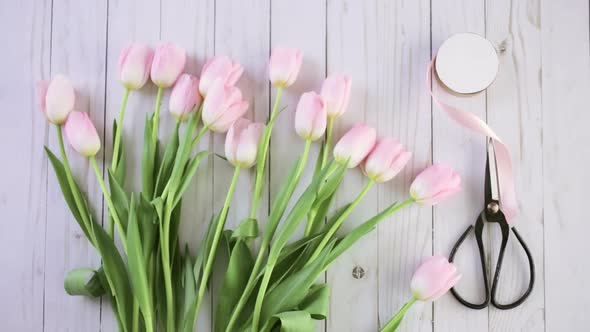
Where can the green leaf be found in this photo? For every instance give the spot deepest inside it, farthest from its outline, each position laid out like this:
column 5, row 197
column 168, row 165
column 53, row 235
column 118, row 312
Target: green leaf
column 317, row 302
column 137, row 267
column 291, row 321
column 289, row 293
column 358, row 232
column 188, row 175
column 247, row 229
column 331, row 184
column 148, row 158
column 62, row 179
column 114, row 268
column 235, row 279
column 303, row 206
column 189, row 286
column 167, row 163
column 120, row 200
column 148, row 227
column 292, row 258
column 84, row 281
column 280, row 203
column 121, row 163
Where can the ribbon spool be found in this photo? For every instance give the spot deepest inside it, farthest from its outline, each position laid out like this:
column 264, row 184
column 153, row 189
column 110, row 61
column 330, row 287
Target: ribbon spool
column 466, row 64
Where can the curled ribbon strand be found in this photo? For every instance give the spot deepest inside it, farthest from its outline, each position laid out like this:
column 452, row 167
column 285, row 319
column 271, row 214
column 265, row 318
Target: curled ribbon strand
column 503, row 161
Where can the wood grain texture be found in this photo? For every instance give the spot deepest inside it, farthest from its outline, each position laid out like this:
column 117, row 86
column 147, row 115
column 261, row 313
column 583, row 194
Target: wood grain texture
column 79, row 53
column 465, row 152
column 537, row 105
column 23, row 180
column 514, row 110
column 566, row 82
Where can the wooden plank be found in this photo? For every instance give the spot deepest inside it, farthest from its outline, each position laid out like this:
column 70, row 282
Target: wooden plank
column 128, row 21
column 385, row 57
column 397, row 91
column 78, row 51
column 284, row 16
column 23, row 182
column 310, row 78
column 514, row 111
column 242, row 32
column 566, row 82
column 351, row 48
column 191, row 24
column 465, row 151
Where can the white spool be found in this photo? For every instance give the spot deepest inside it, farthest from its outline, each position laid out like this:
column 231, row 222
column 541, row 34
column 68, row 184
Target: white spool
column 466, row 63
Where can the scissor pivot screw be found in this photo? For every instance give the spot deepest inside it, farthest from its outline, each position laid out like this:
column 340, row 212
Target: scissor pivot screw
column 493, row 208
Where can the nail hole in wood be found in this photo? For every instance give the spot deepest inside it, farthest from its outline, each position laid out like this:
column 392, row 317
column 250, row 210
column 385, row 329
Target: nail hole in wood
column 358, row 272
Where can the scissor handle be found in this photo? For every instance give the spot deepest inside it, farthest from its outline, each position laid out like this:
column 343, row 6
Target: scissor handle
column 505, row 234
column 478, row 237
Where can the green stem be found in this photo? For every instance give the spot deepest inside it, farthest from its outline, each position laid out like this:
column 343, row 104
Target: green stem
column 393, row 324
column 135, row 317
column 110, row 204
column 262, row 154
column 216, row 238
column 326, row 151
column 261, row 293
column 157, row 116
column 202, row 132
column 72, row 184
column 339, row 222
column 265, row 242
column 165, row 250
column 117, row 142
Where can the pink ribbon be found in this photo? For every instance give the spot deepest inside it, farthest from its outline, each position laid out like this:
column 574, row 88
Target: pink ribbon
column 504, row 164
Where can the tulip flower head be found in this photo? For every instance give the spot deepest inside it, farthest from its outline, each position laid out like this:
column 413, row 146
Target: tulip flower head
column 184, row 96
column 168, row 64
column 219, row 67
column 223, row 106
column 241, row 143
column 56, row 98
column 310, row 116
column 284, row 66
column 336, row 94
column 386, row 160
column 434, row 184
column 82, row 134
column 355, row 145
column 434, row 278
column 135, row 63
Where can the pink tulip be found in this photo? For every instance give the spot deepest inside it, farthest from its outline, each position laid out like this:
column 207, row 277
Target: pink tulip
column 310, row 116
column 386, row 160
column 223, row 106
column 135, row 62
column 81, row 134
column 219, row 67
column 336, row 94
column 168, row 64
column 56, row 98
column 434, row 184
column 184, row 96
column 241, row 143
column 355, row 145
column 284, row 66
column 434, row 278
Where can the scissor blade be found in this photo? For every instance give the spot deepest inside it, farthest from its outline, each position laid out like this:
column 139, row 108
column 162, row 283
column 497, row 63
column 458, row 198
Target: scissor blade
column 493, row 172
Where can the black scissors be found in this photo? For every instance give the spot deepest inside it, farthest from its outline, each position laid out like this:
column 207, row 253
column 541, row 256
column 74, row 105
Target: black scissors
column 493, row 213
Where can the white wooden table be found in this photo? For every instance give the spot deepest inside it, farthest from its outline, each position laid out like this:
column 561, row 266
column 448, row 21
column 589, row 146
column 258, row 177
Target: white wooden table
column 538, row 105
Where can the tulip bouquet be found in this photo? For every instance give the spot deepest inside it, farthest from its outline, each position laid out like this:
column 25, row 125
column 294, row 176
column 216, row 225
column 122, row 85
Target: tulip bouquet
column 151, row 280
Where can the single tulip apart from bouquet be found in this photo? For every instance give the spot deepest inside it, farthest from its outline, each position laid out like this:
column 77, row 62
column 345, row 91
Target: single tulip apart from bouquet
column 153, row 282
